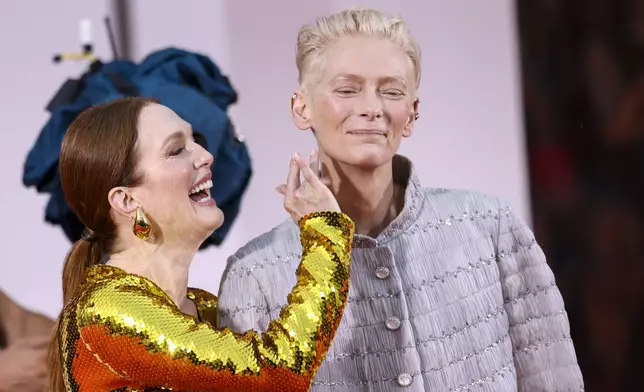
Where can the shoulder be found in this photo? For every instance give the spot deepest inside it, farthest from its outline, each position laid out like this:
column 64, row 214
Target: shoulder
column 206, row 304
column 283, row 241
column 105, row 279
column 489, row 213
column 461, row 201
column 203, row 299
column 106, row 290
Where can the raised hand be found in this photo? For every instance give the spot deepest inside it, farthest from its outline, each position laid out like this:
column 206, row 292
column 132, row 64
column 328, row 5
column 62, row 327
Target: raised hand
column 311, row 195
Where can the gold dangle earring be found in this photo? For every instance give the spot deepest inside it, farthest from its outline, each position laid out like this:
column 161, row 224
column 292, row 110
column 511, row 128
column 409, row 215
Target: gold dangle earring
column 142, row 227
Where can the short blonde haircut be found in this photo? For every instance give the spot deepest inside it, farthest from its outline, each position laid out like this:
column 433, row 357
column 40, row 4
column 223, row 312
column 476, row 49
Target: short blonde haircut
column 314, row 38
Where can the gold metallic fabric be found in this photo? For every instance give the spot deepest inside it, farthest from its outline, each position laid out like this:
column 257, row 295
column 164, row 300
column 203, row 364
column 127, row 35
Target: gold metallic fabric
column 121, row 332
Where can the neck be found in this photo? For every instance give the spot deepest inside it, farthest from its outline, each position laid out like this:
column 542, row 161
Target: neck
column 166, row 266
column 369, row 196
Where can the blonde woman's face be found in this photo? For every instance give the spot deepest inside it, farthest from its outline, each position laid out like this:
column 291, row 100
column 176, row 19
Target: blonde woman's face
column 362, row 103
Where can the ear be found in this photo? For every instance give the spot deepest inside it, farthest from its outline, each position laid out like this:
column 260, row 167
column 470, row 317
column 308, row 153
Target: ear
column 300, row 111
column 413, row 116
column 122, row 202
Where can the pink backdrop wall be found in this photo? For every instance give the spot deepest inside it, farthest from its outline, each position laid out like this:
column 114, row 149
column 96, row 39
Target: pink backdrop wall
column 470, row 107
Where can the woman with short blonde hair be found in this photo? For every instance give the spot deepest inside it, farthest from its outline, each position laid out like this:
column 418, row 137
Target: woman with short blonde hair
column 449, row 290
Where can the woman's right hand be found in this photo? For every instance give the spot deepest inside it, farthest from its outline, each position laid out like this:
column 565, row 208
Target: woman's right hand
column 302, row 198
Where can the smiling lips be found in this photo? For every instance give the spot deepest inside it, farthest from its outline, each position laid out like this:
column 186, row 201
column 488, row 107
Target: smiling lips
column 367, row 132
column 200, row 194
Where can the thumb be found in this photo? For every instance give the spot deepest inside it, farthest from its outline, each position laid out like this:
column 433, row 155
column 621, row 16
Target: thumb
column 281, row 189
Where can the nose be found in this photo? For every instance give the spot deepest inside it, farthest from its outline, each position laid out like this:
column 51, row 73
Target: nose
column 204, row 158
column 371, row 106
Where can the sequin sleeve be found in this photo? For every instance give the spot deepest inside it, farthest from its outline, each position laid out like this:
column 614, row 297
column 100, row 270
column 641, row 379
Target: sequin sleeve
column 145, row 341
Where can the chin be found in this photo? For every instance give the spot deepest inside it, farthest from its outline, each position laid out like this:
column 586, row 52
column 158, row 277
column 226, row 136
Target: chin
column 212, row 220
column 369, row 157
column 205, row 221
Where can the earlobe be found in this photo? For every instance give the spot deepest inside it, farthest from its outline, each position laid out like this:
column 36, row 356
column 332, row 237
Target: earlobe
column 413, row 117
column 299, row 111
column 408, row 129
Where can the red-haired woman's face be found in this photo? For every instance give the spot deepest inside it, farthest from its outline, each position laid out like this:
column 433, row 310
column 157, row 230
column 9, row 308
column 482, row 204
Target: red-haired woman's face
column 175, row 191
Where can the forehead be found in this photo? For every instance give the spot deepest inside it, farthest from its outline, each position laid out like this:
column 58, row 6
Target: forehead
column 366, row 57
column 157, row 122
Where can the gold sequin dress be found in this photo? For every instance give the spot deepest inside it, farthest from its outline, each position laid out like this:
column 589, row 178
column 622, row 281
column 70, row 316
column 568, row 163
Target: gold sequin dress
column 121, row 332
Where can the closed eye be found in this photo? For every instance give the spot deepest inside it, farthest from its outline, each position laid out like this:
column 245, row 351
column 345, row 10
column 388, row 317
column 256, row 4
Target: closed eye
column 394, row 93
column 345, row 91
column 177, row 151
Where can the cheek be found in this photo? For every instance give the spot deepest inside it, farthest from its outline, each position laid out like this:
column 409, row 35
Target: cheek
column 400, row 113
column 332, row 111
column 165, row 185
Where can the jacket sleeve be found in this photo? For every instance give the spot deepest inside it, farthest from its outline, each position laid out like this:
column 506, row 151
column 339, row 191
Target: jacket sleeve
column 148, row 342
column 543, row 350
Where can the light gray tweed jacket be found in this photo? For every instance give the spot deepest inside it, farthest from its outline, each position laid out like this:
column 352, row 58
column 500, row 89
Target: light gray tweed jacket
column 455, row 295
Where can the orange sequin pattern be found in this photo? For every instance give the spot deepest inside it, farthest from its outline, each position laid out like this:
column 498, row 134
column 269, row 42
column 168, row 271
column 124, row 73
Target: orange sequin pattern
column 121, row 332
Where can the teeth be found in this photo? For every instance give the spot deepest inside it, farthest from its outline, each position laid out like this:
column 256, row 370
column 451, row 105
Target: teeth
column 201, row 187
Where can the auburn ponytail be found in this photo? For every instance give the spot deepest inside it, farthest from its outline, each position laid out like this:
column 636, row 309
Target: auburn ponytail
column 82, row 255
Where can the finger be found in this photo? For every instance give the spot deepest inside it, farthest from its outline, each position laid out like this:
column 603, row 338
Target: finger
column 308, row 174
column 324, row 176
column 293, row 179
column 314, row 162
column 281, row 189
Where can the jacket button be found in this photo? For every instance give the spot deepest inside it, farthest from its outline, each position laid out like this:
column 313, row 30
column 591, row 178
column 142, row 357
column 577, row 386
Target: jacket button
column 382, row 272
column 392, row 323
column 405, row 379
